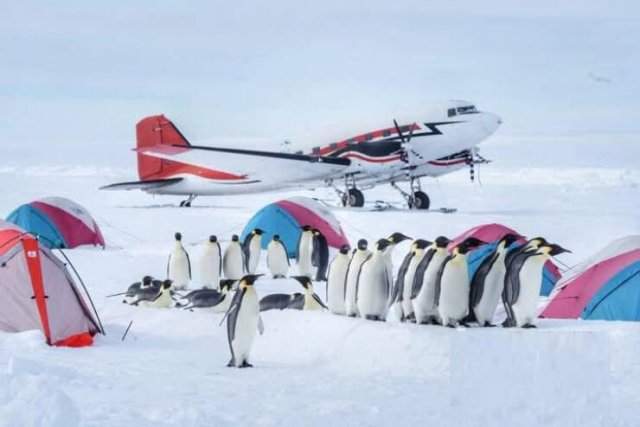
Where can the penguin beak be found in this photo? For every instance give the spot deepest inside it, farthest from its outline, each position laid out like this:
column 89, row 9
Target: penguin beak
column 557, row 249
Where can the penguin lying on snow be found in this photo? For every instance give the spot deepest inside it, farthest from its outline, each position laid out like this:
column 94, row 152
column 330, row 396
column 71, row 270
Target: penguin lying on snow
column 218, row 300
column 293, row 301
column 487, row 283
column 243, row 320
column 311, row 300
column 424, row 282
column 151, row 297
column 359, row 255
column 179, row 265
column 452, row 286
column 522, row 284
column 134, row 289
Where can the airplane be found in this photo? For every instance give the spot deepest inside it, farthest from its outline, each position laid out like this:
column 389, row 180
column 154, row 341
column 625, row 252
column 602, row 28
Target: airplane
column 444, row 141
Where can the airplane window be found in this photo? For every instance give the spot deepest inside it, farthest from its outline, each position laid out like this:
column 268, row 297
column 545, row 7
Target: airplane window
column 467, row 109
column 333, row 145
column 451, row 112
column 316, row 150
column 369, row 137
column 386, row 132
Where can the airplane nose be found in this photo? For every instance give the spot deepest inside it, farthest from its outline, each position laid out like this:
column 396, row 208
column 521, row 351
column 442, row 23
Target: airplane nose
column 491, row 122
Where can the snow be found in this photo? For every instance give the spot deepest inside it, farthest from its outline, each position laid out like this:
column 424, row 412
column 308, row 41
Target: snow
column 318, row 368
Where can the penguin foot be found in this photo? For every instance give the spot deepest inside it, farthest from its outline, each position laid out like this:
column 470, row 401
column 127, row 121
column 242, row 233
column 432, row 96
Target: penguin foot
column 231, row 363
column 529, row 326
column 370, row 317
column 450, row 325
column 508, row 323
column 464, row 324
column 489, row 325
column 246, row 364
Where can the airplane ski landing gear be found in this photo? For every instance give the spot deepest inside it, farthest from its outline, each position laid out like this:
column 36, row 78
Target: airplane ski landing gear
column 416, row 198
column 353, row 198
column 187, row 203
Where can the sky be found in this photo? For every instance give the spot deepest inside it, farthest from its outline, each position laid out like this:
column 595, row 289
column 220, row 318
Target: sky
column 76, row 76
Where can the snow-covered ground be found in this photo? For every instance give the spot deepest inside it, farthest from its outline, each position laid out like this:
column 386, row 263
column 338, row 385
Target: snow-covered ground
column 320, row 369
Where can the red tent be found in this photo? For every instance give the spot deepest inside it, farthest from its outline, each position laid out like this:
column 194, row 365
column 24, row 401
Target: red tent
column 39, row 293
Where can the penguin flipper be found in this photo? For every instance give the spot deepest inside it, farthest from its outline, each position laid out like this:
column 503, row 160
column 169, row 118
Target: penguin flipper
column 397, row 288
column 418, row 276
column 260, row 325
column 232, row 316
column 477, row 282
column 296, row 302
column 168, row 265
column 319, row 301
column 188, row 262
column 438, row 286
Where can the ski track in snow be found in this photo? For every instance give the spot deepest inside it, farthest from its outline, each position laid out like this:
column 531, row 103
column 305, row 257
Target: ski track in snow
column 316, row 368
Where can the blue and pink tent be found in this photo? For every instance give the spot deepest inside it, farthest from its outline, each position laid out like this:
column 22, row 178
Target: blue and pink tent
column 287, row 217
column 491, row 234
column 58, row 223
column 605, row 287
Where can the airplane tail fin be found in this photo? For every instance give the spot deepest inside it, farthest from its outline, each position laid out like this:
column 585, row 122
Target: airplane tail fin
column 151, row 132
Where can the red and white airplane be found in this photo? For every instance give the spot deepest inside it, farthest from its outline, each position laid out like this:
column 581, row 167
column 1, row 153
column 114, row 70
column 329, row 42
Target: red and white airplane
column 441, row 143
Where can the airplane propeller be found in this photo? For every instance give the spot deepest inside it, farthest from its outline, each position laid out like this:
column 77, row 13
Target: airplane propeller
column 407, row 152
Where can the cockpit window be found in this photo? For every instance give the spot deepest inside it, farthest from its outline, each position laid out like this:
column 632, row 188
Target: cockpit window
column 467, row 109
column 451, row 112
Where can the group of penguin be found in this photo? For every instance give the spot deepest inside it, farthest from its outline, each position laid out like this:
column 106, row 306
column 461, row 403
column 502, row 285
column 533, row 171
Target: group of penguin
column 433, row 285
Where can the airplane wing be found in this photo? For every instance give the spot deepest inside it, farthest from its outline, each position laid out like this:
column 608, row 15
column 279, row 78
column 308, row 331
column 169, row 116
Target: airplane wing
column 142, row 185
column 243, row 166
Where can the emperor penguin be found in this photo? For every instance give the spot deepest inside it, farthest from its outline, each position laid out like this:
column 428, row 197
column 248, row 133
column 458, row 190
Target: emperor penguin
column 179, row 265
column 419, row 251
column 252, row 247
column 530, row 246
column 320, row 255
column 311, row 300
column 424, row 282
column 336, row 281
column 277, row 258
column 217, row 300
column 522, row 285
column 134, row 289
column 160, row 298
column 243, row 320
column 233, row 260
column 211, row 263
column 488, row 281
column 452, row 285
column 359, row 255
column 397, row 289
column 305, row 251
column 374, row 286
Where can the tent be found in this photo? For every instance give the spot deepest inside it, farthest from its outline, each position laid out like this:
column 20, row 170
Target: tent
column 39, row 293
column 492, row 233
column 286, row 217
column 58, row 222
column 607, row 289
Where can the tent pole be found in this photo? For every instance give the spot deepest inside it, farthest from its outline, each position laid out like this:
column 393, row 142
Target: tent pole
column 85, row 290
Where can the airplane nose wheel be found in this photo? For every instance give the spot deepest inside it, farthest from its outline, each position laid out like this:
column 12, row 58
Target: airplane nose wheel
column 353, row 198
